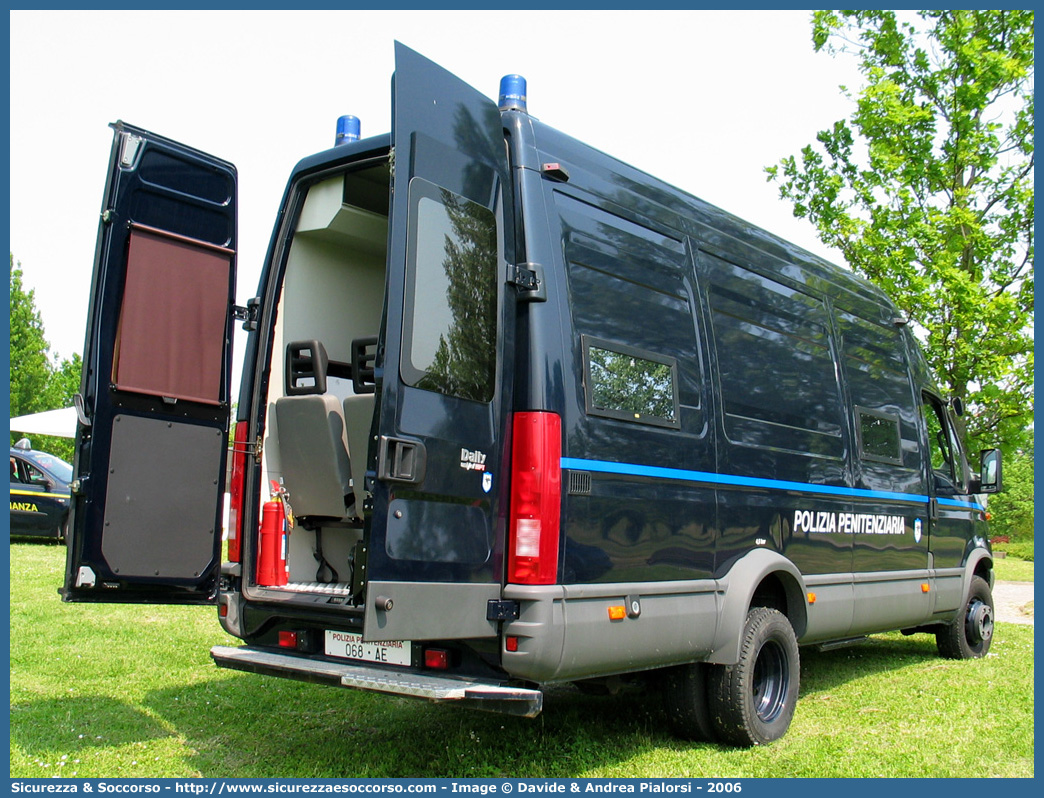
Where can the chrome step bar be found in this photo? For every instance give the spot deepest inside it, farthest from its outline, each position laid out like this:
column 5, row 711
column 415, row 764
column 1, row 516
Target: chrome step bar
column 489, row 696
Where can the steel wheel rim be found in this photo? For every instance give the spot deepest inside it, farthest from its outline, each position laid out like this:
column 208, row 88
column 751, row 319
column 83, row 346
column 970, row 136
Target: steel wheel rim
column 978, row 625
column 771, row 677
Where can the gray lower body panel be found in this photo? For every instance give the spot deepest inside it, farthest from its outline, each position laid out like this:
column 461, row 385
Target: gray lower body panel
column 490, row 696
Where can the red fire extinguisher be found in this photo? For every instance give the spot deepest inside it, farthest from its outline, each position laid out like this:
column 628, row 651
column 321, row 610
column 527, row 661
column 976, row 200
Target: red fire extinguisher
column 271, row 559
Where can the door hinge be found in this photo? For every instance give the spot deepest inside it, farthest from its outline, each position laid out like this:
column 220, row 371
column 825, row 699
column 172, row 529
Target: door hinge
column 255, row 448
column 391, row 170
column 247, row 315
column 80, row 405
column 528, row 279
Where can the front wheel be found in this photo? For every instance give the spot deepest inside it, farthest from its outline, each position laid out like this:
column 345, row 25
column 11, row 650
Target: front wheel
column 969, row 634
column 753, row 701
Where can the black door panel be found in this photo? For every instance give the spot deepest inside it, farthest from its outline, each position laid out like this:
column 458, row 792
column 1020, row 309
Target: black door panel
column 150, row 462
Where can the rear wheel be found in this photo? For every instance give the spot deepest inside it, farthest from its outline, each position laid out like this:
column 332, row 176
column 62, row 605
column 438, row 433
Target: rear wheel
column 685, row 702
column 753, row 701
column 969, row 634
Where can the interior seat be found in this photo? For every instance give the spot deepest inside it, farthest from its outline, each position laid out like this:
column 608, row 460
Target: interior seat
column 313, row 446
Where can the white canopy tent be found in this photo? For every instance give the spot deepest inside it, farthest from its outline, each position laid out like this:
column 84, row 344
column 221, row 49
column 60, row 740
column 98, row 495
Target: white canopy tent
column 61, row 423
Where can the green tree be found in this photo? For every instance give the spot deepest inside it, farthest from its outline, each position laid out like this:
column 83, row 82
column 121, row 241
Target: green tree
column 927, row 190
column 38, row 381
column 1012, row 508
column 30, row 352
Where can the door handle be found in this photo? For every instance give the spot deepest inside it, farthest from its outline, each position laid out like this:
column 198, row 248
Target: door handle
column 401, row 460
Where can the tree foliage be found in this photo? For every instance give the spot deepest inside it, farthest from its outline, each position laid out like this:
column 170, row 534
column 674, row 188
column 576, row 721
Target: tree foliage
column 30, row 352
column 38, row 381
column 927, row 190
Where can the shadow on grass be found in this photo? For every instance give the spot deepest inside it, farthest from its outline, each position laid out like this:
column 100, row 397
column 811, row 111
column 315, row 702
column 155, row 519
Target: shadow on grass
column 251, row 726
column 67, row 725
column 826, row 670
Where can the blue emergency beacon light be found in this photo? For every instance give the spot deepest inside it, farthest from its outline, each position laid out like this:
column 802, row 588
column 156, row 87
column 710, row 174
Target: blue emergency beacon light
column 513, row 93
column 347, row 130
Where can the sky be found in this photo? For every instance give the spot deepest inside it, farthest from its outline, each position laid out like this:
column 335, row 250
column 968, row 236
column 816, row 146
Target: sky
column 702, row 99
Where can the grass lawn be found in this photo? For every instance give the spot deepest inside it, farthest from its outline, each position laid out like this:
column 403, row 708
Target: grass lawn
column 1013, row 569
column 128, row 691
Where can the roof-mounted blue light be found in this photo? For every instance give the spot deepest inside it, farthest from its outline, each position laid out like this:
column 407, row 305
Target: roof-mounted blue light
column 513, row 93
column 348, row 128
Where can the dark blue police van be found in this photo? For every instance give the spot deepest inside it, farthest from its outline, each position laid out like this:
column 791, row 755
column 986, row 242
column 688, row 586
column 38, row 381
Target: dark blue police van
column 512, row 414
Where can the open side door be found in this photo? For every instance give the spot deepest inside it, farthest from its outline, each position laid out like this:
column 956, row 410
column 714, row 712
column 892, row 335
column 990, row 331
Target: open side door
column 433, row 560
column 149, row 471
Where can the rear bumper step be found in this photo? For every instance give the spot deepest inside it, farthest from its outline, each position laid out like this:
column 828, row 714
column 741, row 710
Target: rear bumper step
column 489, row 696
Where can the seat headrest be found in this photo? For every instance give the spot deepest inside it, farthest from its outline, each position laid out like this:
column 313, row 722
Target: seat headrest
column 306, row 365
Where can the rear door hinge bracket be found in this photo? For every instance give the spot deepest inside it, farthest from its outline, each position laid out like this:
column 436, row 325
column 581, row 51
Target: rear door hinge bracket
column 254, row 448
column 503, row 610
column 528, row 279
column 248, row 314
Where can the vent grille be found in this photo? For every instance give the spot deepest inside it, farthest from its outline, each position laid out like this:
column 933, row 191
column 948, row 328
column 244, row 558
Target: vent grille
column 579, row 483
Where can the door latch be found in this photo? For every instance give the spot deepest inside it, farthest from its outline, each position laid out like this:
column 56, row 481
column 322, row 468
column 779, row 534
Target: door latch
column 400, row 460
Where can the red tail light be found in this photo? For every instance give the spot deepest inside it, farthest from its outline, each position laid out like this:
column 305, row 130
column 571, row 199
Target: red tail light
column 235, row 490
column 536, row 498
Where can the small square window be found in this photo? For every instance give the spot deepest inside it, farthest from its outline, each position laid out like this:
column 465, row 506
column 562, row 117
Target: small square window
column 879, row 436
column 631, row 385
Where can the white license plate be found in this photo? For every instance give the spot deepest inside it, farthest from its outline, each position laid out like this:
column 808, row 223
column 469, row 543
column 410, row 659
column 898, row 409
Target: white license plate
column 349, row 646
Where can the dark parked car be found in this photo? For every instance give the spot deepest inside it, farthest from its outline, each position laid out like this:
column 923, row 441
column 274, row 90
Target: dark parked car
column 39, row 492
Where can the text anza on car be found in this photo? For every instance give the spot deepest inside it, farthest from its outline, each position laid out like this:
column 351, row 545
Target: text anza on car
column 513, row 414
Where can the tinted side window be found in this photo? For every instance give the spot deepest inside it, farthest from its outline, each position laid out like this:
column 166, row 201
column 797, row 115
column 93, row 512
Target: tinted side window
column 944, row 447
column 450, row 321
column 775, row 361
column 874, row 361
column 631, row 306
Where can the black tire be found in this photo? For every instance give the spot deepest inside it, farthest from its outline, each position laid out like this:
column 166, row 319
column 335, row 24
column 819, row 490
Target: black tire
column 685, row 702
column 969, row 634
column 753, row 701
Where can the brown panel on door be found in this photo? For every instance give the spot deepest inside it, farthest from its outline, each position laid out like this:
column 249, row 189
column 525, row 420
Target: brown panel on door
column 173, row 319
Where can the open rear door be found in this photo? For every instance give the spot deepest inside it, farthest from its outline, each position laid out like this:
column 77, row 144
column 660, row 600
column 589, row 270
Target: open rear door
column 433, row 559
column 149, row 471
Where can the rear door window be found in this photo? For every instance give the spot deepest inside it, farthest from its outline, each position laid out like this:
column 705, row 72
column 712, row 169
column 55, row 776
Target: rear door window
column 450, row 320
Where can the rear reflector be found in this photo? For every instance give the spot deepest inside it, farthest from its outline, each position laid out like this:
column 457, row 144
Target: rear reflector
column 240, row 449
column 288, row 639
column 536, row 498
column 511, row 643
column 436, row 658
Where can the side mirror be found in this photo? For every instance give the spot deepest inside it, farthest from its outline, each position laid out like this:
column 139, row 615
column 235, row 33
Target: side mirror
column 989, row 480
column 42, row 481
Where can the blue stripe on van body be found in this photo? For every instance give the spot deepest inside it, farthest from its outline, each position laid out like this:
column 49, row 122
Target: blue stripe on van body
column 659, row 472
